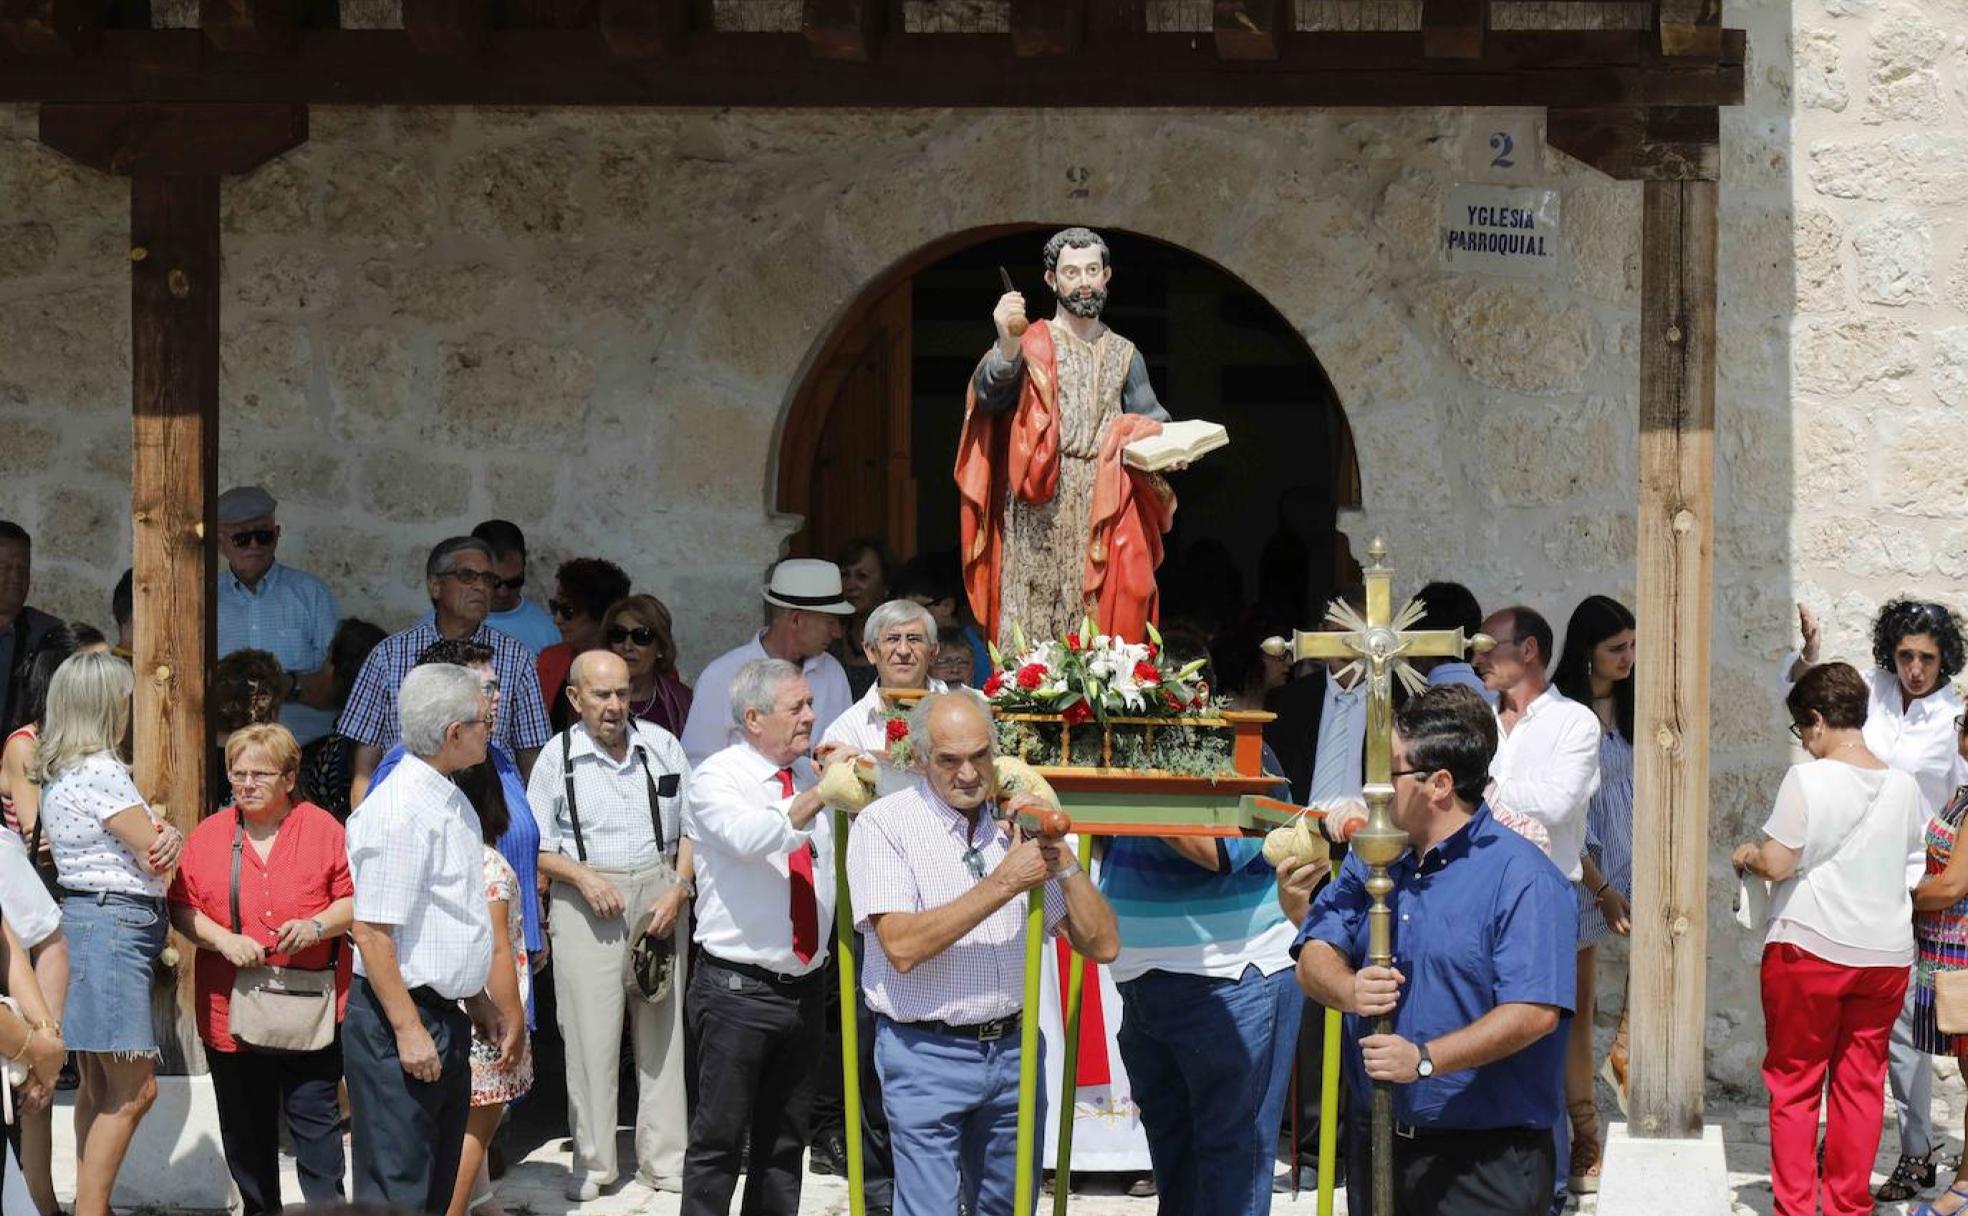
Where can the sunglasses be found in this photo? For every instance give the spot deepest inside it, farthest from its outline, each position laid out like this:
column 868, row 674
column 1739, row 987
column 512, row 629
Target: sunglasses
column 510, row 584
column 641, row 635
column 974, row 858
column 1797, row 729
column 472, row 578
column 255, row 537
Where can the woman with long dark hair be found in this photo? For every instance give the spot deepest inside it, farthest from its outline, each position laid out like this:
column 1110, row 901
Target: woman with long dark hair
column 1596, row 669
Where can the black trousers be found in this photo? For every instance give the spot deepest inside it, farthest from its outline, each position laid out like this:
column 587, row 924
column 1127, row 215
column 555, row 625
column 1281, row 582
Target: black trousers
column 408, row 1134
column 1503, row 1172
column 1311, row 1073
column 758, row 1047
column 829, row 1106
column 253, row 1090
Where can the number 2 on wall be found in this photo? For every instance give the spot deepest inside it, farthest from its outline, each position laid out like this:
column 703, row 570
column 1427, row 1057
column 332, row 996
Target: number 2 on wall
column 1501, row 143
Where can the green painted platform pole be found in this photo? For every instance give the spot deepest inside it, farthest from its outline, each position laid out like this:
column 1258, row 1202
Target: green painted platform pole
column 1028, row 1059
column 1329, row 1112
column 857, row 1202
column 1069, row 1077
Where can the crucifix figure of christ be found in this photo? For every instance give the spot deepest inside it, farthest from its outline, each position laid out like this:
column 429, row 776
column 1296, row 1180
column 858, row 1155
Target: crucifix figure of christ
column 1380, row 645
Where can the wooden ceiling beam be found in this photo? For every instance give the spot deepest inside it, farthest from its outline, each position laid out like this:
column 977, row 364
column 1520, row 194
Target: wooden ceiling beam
column 1632, row 143
column 844, row 29
column 59, row 28
column 645, row 29
column 1251, row 29
column 259, row 27
column 1047, row 27
column 451, row 28
column 194, row 139
column 1453, row 29
column 1691, row 28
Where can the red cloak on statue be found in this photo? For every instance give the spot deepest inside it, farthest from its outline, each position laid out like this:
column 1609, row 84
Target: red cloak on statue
column 1020, row 450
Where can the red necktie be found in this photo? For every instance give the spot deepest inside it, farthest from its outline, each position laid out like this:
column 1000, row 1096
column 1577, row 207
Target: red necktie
column 799, row 876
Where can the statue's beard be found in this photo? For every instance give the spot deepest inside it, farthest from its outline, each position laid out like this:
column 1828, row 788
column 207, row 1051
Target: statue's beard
column 1087, row 302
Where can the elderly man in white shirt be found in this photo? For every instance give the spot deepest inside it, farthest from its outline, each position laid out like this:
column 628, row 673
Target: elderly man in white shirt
column 804, row 611
column 936, row 883
column 423, row 936
column 608, row 794
column 765, row 894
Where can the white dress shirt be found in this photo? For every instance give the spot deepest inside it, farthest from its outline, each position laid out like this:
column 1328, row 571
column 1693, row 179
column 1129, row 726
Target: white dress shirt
column 1341, row 753
column 1917, row 739
column 710, row 728
column 737, row 818
column 611, row 796
column 1547, row 767
column 417, row 855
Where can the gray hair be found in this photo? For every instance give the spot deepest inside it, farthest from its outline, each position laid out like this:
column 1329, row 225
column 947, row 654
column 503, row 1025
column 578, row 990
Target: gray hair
column 444, row 554
column 1074, row 238
column 432, row 698
column 893, row 613
column 756, row 686
column 919, row 736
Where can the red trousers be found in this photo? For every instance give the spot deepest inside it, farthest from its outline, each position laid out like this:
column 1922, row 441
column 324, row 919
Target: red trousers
column 1820, row 1017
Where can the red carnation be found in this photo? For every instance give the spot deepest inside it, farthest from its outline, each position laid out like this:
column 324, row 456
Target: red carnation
column 1078, row 712
column 1153, row 650
column 1031, row 676
column 1072, row 641
column 1145, row 673
column 995, row 684
column 898, row 730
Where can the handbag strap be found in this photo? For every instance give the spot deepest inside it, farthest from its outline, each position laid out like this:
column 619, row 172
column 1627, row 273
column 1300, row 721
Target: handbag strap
column 238, row 850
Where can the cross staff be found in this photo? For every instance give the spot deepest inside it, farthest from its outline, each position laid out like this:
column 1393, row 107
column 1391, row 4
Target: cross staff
column 1380, row 645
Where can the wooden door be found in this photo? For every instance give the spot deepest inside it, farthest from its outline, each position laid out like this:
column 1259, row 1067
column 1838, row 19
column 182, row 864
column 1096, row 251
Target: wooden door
column 846, row 463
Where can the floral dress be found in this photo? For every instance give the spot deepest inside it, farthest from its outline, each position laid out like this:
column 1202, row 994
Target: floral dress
column 492, row 1085
column 1942, row 935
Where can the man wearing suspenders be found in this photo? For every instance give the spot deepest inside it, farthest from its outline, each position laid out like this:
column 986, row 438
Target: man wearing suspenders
column 608, row 796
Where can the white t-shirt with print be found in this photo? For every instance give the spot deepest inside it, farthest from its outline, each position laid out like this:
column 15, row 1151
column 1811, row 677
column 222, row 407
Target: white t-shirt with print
column 77, row 807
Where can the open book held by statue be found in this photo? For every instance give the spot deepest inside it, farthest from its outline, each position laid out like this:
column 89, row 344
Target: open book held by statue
column 1058, row 522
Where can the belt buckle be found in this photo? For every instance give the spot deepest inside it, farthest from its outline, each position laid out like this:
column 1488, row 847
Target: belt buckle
column 991, row 1032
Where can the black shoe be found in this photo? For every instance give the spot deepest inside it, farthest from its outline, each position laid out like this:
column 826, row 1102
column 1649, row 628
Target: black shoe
column 1910, row 1177
column 829, row 1156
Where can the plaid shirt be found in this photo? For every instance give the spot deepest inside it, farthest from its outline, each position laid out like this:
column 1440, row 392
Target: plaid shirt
column 906, row 853
column 370, row 715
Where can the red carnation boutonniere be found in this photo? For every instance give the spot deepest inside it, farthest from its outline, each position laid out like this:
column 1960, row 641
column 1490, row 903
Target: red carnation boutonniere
column 898, row 730
column 1077, row 713
column 1031, row 676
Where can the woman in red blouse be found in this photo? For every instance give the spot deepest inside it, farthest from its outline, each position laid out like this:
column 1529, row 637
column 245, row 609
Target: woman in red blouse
column 296, row 902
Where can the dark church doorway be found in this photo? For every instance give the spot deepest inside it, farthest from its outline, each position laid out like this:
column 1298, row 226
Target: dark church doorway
column 869, row 442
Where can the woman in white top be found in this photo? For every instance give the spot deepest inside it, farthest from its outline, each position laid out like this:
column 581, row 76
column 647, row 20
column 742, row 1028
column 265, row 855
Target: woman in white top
column 112, row 858
column 1844, row 849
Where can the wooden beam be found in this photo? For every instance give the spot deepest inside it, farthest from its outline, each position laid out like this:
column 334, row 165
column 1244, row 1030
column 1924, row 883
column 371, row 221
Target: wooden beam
column 1677, row 532
column 149, row 139
column 263, row 27
column 1453, row 29
column 451, row 28
column 645, row 29
column 174, row 328
column 843, row 29
column 1122, row 17
column 1691, row 28
column 1047, row 27
column 1571, row 68
column 1633, row 143
column 60, row 28
column 1251, row 29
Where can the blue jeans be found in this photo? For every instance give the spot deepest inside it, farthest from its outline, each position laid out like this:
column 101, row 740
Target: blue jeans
column 1209, row 1061
column 952, row 1108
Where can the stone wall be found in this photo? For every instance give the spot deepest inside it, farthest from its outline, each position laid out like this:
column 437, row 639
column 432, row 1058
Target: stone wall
column 592, row 322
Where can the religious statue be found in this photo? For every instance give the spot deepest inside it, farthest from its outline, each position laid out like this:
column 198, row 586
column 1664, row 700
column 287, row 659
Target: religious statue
column 1055, row 525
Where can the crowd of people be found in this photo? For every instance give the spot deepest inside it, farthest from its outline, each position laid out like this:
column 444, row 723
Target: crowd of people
column 422, row 837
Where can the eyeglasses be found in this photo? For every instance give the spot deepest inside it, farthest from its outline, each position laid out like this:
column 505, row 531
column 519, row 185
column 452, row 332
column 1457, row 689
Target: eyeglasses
column 641, row 635
column 1399, row 773
column 472, row 578
column 1797, row 729
column 489, row 686
column 510, row 584
column 974, row 858
column 562, row 609
column 255, row 537
column 244, row 777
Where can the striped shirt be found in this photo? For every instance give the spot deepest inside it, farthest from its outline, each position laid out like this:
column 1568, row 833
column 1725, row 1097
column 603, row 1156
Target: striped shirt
column 417, row 856
column 1175, row 916
column 370, row 715
column 907, row 853
column 1609, row 831
column 291, row 615
column 611, row 796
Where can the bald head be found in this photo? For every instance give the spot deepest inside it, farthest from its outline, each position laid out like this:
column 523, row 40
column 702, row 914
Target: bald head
column 598, row 688
column 954, row 742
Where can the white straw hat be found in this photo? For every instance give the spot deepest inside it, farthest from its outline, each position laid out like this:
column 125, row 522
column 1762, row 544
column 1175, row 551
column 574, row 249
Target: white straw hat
column 808, row 583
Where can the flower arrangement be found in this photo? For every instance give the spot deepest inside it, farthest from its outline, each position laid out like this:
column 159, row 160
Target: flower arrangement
column 1087, row 677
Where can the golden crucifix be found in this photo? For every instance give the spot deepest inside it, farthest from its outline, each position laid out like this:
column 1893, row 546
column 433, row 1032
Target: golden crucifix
column 1380, row 645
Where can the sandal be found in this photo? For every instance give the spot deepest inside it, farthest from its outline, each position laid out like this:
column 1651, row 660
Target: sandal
column 1584, row 1179
column 1910, row 1176
column 1954, row 1189
column 1613, row 1070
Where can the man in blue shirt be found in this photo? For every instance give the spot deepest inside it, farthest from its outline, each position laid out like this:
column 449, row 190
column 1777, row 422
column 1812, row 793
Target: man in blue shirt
column 263, row 605
column 512, row 613
column 1483, row 975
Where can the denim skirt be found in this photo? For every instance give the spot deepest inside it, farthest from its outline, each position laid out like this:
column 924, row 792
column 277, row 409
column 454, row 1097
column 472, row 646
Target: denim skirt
column 113, row 943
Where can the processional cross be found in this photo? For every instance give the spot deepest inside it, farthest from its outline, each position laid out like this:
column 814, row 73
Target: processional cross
column 1380, row 645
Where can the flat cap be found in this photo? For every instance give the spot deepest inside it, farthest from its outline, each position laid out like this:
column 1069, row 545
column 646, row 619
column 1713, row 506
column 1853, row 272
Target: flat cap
column 242, row 503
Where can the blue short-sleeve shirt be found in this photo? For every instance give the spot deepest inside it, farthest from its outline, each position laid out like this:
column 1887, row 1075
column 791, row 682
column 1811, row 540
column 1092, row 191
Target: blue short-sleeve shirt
column 1482, row 920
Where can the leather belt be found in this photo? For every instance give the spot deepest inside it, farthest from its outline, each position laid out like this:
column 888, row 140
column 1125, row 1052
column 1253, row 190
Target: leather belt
column 979, row 1032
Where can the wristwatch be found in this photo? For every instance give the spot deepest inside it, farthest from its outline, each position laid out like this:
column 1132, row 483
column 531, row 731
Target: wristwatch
column 1426, row 1068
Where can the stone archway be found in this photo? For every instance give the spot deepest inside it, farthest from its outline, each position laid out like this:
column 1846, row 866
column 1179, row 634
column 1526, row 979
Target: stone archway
column 865, row 443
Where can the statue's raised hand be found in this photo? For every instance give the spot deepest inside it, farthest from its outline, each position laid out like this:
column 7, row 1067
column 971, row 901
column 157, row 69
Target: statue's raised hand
column 1009, row 317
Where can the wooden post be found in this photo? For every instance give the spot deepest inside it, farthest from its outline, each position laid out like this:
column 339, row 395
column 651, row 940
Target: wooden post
column 1670, row 811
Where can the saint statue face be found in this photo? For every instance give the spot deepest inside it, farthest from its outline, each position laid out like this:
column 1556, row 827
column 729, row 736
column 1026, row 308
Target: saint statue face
column 1080, row 280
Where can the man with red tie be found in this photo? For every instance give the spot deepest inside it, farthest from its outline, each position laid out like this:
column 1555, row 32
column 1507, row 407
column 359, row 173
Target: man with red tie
column 765, row 866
